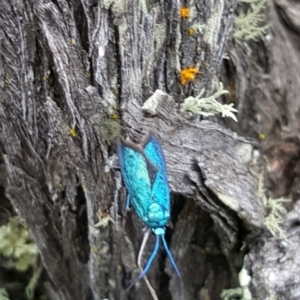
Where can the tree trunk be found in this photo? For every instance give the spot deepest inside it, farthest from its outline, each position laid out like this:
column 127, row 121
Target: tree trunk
column 76, row 74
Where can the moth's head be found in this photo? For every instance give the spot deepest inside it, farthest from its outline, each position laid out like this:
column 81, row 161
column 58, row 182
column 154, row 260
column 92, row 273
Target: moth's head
column 159, row 231
column 157, row 216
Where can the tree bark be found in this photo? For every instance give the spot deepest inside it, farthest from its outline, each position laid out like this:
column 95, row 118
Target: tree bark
column 76, row 74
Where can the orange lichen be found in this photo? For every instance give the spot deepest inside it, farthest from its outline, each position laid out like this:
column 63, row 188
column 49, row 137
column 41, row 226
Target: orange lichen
column 188, row 74
column 191, row 31
column 261, row 136
column 184, row 12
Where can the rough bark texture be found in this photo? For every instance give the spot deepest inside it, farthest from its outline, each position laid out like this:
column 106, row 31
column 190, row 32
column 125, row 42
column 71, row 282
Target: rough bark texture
column 267, row 87
column 68, row 68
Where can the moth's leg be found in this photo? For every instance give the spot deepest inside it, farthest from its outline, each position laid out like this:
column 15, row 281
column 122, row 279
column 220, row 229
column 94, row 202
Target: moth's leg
column 128, row 202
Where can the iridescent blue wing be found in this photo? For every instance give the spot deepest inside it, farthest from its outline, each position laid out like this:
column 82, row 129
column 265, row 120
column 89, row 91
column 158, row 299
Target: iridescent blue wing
column 160, row 188
column 145, row 175
column 138, row 173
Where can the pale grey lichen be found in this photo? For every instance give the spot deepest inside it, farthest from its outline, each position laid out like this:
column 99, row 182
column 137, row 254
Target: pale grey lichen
column 249, row 26
column 273, row 296
column 104, row 220
column 261, row 191
column 242, row 292
column 209, row 106
column 199, row 28
column 276, row 210
column 213, row 26
column 275, row 218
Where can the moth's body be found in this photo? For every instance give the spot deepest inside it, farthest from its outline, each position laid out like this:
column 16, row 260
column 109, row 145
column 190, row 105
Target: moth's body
column 146, row 180
column 145, row 175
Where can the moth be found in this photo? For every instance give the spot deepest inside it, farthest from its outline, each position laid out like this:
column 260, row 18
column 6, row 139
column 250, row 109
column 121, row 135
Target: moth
column 144, row 172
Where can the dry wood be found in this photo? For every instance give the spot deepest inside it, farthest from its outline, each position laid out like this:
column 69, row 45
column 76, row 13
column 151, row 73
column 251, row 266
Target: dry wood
column 69, row 68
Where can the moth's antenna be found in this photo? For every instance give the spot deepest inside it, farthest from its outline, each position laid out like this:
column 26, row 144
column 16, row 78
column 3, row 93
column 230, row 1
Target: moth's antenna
column 151, row 289
column 149, row 263
column 170, row 256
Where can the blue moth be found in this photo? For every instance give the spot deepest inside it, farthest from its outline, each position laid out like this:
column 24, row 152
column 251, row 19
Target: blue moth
column 144, row 171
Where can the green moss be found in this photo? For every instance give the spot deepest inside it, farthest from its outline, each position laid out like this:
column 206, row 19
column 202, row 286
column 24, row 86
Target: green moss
column 15, row 244
column 111, row 129
column 3, row 294
column 17, row 247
